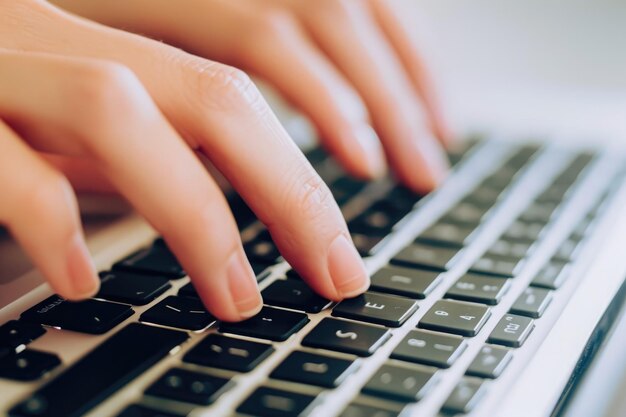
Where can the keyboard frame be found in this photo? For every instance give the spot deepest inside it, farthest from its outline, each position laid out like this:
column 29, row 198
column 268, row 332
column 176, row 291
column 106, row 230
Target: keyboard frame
column 510, row 396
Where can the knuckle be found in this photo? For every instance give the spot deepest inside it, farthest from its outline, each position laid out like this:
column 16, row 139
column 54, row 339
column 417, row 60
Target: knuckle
column 307, row 197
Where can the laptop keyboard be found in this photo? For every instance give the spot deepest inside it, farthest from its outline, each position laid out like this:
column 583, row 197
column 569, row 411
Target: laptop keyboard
column 442, row 265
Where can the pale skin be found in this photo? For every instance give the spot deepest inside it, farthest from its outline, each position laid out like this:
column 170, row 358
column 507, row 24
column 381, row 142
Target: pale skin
column 86, row 106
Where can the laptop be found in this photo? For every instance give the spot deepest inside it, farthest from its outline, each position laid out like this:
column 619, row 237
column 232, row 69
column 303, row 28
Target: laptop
column 490, row 297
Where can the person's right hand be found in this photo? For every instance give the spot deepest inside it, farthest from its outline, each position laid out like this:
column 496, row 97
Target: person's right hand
column 136, row 110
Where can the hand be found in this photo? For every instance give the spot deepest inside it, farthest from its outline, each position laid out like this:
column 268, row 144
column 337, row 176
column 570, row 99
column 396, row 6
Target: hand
column 136, row 110
column 346, row 63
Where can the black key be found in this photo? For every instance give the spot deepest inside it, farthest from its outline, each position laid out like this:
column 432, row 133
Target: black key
column 188, row 290
column 244, row 216
column 377, row 220
column 502, row 266
column 417, row 254
column 490, row 362
column 180, row 312
column 479, row 289
column 540, row 211
column 362, row 410
column 15, row 333
column 532, row 302
column 430, row 348
column 295, row 295
column 524, row 231
column 458, row 317
column 388, row 310
column 188, row 386
column 408, row 282
column 224, row 352
column 271, row 402
column 156, row 260
column 465, row 396
column 510, row 249
column 91, row 316
column 400, row 382
column 262, row 248
column 270, row 323
column 313, row 369
column 316, row 156
column 100, row 373
column 364, row 244
column 345, row 188
column 447, row 234
column 28, row 365
column 136, row 410
column 402, row 198
column 512, row 330
column 344, row 336
column 464, row 213
column 556, row 193
column 135, row 289
column 552, row 275
column 568, row 250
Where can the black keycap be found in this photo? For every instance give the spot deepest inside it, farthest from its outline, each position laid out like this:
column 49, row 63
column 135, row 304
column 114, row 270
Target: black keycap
column 135, row 289
column 271, row 402
column 188, row 290
column 512, row 330
column 568, row 250
column 344, row 336
column 408, row 282
column 490, row 362
column 244, row 216
column 421, row 255
column 524, row 231
column 479, row 289
column 430, row 348
column 402, row 198
column 316, row 156
column 136, row 410
column 465, row 396
column 187, row 386
column 156, row 260
column 365, row 244
column 388, row 310
column 400, row 382
column 314, row 369
column 345, row 188
column 458, row 317
column 464, row 213
column 28, row 365
column 91, row 316
column 224, row 352
column 510, row 249
column 180, row 312
column 262, row 248
column 100, row 373
column 556, row 193
column 447, row 234
column 270, row 323
column 540, row 212
column 377, row 220
column 295, row 295
column 552, row 275
column 362, row 410
column 503, row 266
column 532, row 302
column 15, row 333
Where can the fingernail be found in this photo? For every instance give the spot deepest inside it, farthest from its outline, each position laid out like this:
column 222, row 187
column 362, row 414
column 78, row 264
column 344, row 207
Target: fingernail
column 243, row 286
column 81, row 270
column 346, row 268
column 372, row 150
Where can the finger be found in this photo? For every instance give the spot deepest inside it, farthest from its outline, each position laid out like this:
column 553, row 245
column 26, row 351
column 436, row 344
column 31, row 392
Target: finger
column 220, row 111
column 347, row 32
column 406, row 50
column 151, row 167
column 81, row 173
column 39, row 208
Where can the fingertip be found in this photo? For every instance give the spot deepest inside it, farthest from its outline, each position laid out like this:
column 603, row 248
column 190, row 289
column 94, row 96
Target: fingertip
column 243, row 286
column 372, row 153
column 346, row 269
column 84, row 281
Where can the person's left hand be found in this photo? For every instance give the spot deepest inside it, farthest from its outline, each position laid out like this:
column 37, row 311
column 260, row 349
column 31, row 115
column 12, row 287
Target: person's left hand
column 348, row 64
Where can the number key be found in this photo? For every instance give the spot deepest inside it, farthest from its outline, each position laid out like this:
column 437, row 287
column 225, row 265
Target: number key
column 429, row 348
column 465, row 319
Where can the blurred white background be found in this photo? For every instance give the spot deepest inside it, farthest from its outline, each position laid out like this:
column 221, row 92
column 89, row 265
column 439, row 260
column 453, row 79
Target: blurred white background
column 528, row 67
